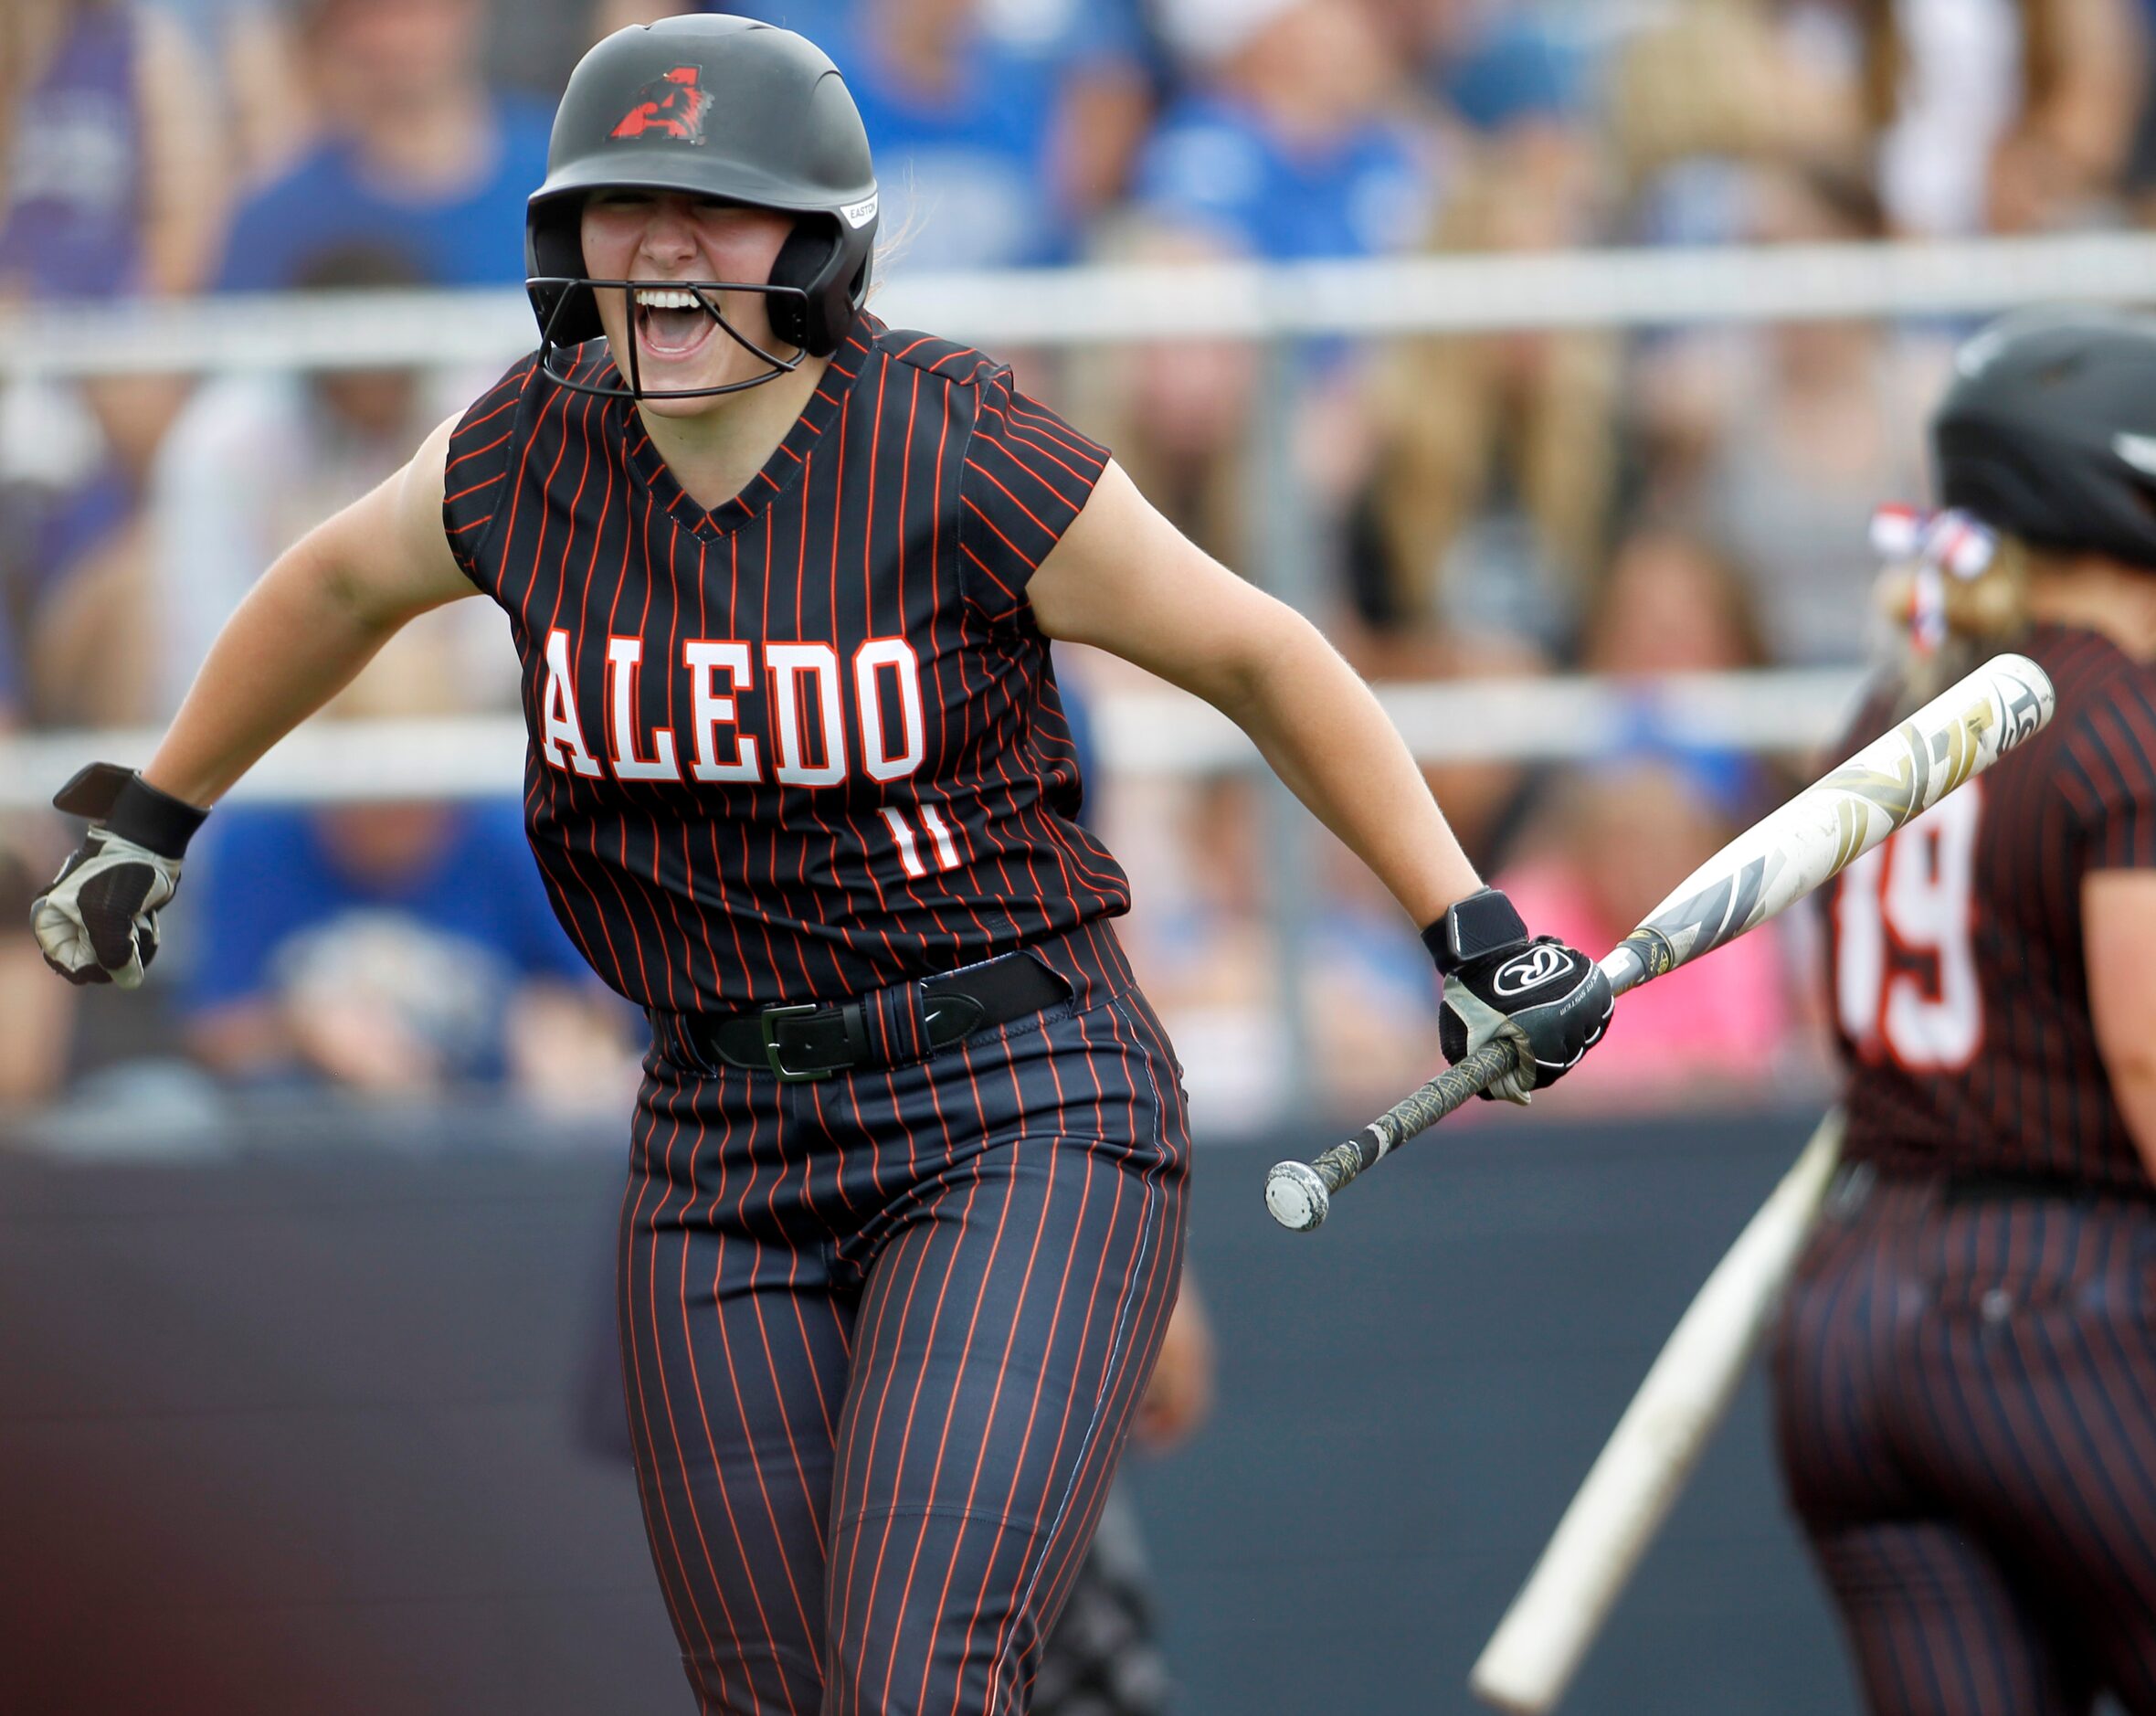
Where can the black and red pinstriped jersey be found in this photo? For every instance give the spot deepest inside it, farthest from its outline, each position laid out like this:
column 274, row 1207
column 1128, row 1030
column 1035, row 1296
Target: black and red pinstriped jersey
column 810, row 742
column 1961, row 993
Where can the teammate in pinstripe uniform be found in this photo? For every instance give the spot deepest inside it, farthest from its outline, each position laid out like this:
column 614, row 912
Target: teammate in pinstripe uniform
column 903, row 1217
column 1966, row 1367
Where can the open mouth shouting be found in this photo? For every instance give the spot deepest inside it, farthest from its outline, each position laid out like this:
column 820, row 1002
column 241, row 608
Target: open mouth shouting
column 678, row 329
column 674, row 322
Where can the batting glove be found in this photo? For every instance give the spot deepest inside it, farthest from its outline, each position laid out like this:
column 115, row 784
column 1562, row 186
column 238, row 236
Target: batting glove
column 1551, row 1001
column 98, row 922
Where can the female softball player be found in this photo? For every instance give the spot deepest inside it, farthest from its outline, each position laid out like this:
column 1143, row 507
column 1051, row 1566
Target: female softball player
column 1965, row 1371
column 903, row 1216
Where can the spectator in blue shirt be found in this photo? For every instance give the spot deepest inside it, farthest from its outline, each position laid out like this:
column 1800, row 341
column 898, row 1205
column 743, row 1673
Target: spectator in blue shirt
column 1499, row 70
column 999, row 130
column 1282, row 150
column 112, row 182
column 112, row 168
column 1011, row 125
column 10, row 671
column 392, row 948
column 416, row 155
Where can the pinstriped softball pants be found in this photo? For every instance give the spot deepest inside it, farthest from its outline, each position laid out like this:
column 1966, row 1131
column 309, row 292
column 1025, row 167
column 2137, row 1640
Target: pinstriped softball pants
column 1966, row 1412
column 882, row 1338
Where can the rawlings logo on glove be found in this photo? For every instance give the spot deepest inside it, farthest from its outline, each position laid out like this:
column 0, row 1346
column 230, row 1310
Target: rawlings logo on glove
column 98, row 922
column 1551, row 1000
column 1534, row 967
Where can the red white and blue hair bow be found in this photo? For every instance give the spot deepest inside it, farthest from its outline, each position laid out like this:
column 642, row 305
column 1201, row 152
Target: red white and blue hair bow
column 1936, row 546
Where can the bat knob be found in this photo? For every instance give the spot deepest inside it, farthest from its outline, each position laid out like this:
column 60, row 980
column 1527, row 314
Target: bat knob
column 1296, row 1196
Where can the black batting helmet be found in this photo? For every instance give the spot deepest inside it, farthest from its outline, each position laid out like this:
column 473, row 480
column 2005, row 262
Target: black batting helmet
column 2048, row 432
column 719, row 107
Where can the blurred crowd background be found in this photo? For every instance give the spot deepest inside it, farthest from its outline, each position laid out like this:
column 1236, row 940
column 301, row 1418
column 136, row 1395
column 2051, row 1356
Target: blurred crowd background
column 1516, row 505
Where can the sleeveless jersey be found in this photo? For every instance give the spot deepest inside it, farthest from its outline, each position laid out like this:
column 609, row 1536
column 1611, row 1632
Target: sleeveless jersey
column 1955, row 949
column 809, row 743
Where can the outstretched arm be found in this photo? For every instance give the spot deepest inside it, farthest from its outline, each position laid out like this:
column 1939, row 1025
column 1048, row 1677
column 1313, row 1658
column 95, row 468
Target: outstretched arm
column 1125, row 580
column 316, row 618
column 318, row 615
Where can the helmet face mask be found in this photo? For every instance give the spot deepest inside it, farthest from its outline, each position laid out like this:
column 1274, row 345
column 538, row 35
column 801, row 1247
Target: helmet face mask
column 575, row 298
column 718, row 110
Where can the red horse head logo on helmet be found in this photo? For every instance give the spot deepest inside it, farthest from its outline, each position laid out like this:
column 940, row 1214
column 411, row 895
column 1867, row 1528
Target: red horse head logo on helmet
column 672, row 106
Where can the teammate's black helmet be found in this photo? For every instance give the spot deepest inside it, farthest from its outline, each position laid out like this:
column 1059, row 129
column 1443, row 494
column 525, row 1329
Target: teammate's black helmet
column 721, row 107
column 2048, row 432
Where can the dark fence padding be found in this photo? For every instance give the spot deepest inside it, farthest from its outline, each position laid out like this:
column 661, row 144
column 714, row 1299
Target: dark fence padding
column 306, row 1426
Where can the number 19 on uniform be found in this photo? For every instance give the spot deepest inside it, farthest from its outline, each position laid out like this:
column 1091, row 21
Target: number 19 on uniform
column 1905, row 962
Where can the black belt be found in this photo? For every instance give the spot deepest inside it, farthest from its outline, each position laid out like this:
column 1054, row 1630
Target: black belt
column 1985, row 1185
column 890, row 1027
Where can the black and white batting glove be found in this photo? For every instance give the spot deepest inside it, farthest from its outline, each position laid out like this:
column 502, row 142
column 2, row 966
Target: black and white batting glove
column 98, row 922
column 1550, row 999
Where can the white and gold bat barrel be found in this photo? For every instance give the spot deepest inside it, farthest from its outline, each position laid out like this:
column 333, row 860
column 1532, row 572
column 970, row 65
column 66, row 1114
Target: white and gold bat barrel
column 1894, row 779
column 1637, row 1477
column 1766, row 869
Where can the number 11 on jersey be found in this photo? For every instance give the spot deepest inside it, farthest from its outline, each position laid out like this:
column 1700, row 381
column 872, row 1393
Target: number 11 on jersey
column 1904, row 955
column 941, row 846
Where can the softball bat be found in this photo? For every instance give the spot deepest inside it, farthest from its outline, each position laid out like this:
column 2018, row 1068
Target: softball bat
column 1637, row 1477
column 1765, row 870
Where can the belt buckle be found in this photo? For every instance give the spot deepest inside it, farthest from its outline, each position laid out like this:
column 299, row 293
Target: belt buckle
column 769, row 1020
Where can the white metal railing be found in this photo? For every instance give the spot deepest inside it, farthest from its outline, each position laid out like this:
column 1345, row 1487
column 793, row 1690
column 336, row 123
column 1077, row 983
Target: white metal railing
column 1453, row 293
column 1142, row 734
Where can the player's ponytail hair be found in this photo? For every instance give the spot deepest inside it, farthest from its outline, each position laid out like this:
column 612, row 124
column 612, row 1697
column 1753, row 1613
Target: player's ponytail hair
column 1956, row 592
column 895, row 238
